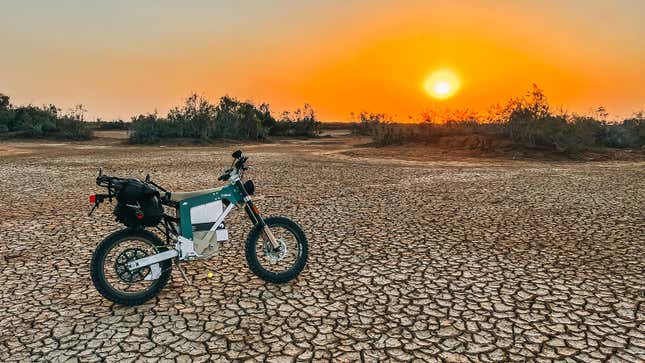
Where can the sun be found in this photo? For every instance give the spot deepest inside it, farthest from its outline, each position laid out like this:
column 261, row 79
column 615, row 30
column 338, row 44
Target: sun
column 442, row 84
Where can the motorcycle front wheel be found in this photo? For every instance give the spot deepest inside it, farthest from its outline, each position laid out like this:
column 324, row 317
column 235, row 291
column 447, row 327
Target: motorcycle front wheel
column 284, row 263
column 115, row 281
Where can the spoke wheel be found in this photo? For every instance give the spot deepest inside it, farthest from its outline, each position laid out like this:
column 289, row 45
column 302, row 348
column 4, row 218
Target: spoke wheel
column 280, row 264
column 116, row 270
column 115, row 281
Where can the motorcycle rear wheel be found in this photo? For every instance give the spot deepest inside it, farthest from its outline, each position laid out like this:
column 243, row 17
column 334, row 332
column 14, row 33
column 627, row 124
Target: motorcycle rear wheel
column 108, row 272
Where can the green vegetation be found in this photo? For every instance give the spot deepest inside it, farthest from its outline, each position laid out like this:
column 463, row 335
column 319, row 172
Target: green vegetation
column 41, row 122
column 109, row 125
column 527, row 122
column 337, row 125
column 198, row 119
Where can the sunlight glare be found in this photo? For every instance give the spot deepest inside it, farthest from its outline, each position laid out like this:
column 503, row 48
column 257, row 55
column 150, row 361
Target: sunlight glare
column 441, row 84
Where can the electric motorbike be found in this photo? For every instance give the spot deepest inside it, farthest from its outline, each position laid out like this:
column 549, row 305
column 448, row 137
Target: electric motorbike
column 134, row 264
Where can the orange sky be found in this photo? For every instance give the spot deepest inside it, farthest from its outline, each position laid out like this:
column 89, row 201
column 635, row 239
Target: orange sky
column 120, row 59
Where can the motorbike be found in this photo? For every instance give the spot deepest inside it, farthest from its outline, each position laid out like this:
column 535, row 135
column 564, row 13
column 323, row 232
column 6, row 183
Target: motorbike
column 132, row 265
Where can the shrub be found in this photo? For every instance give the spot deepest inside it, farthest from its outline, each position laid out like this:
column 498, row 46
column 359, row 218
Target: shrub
column 41, row 122
column 230, row 119
column 300, row 123
column 386, row 133
column 526, row 121
column 240, row 120
column 110, row 125
column 72, row 129
column 428, row 131
column 148, row 129
column 367, row 123
column 337, row 125
column 629, row 134
column 585, row 133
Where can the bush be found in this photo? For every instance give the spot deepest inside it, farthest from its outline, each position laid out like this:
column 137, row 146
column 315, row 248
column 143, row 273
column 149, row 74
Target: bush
column 300, row 123
column 532, row 124
column 386, row 132
column 241, row 120
column 337, row 125
column 110, row 125
column 198, row 119
column 72, row 129
column 368, row 123
column 527, row 122
column 629, row 134
column 41, row 122
column 149, row 129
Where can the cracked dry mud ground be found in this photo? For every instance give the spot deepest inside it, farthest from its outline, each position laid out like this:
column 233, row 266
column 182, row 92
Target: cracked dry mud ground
column 490, row 261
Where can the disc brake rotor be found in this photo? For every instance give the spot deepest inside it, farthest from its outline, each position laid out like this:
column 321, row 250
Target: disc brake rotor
column 121, row 265
column 274, row 256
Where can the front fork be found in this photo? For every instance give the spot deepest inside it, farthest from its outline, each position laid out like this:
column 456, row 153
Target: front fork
column 254, row 214
column 255, row 217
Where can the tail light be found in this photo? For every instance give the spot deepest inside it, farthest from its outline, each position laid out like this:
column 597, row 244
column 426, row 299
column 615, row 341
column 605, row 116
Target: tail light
column 93, row 199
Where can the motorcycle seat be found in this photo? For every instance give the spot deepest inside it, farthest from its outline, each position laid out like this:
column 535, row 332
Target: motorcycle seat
column 179, row 196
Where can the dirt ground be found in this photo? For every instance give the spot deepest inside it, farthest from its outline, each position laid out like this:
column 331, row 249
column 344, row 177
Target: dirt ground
column 436, row 258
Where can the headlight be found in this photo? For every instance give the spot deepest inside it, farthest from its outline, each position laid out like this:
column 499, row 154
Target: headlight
column 250, row 188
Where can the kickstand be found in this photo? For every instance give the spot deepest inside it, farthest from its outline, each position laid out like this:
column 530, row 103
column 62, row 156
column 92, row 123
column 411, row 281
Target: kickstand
column 183, row 274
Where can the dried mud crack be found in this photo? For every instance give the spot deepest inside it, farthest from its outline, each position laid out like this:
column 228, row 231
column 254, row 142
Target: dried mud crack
column 449, row 262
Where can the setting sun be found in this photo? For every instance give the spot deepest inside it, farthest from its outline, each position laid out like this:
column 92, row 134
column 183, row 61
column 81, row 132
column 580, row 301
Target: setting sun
column 441, row 84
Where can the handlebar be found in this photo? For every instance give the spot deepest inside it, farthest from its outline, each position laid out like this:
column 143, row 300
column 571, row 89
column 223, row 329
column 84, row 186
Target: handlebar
column 226, row 176
column 238, row 166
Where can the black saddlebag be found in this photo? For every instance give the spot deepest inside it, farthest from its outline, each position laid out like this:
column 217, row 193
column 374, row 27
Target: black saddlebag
column 137, row 204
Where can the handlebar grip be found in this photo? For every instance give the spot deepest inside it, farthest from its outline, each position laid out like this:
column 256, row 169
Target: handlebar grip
column 240, row 162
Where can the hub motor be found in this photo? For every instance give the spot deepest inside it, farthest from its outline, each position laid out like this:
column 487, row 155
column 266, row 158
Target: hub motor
column 121, row 268
column 275, row 255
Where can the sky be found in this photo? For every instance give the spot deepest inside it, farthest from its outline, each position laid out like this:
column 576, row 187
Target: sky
column 123, row 58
